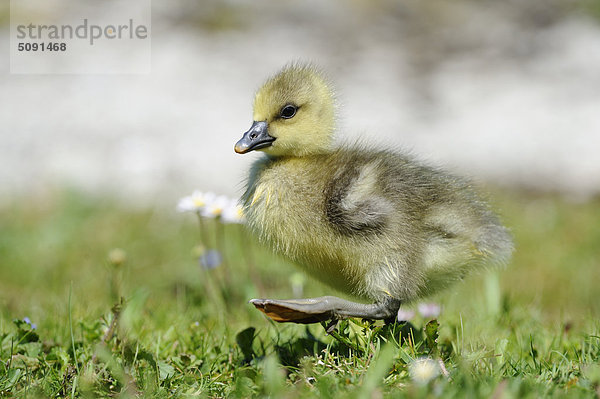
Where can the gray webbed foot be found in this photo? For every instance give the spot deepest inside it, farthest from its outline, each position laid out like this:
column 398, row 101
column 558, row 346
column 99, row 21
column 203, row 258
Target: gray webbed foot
column 314, row 310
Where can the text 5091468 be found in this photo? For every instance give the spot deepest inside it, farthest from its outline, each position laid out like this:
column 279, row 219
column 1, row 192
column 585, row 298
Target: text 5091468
column 43, row 46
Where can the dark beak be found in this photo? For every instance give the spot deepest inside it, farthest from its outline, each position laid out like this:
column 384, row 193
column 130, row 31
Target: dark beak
column 254, row 139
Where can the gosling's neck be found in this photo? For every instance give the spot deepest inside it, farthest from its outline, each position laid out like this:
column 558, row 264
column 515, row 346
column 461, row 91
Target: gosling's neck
column 304, row 149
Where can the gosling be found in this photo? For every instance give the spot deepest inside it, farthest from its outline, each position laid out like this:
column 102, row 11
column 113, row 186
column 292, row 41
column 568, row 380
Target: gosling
column 371, row 223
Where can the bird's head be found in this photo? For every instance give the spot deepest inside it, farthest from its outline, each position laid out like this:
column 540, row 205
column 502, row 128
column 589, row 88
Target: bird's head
column 293, row 115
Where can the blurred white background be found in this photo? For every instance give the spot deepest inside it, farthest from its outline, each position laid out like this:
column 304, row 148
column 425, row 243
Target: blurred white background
column 506, row 92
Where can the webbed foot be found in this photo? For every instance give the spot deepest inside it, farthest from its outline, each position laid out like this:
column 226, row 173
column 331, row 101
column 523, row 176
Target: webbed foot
column 314, row 310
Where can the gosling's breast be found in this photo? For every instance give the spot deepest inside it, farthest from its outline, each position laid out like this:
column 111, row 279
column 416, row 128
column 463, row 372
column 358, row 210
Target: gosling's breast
column 288, row 204
column 285, row 205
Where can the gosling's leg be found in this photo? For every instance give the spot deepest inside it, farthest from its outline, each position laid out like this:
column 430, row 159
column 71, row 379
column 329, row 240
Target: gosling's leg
column 314, row 310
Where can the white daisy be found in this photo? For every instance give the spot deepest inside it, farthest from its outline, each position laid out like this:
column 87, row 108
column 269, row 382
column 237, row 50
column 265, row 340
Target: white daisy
column 423, row 370
column 233, row 213
column 405, row 315
column 215, row 205
column 195, row 202
column 427, row 310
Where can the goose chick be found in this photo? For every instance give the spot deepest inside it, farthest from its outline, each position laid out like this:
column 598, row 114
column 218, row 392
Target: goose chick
column 374, row 224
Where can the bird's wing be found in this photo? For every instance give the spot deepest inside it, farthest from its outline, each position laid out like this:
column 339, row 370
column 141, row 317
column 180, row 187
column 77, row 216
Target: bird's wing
column 354, row 203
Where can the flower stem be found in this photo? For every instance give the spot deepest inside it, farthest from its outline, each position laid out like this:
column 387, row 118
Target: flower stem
column 248, row 253
column 203, row 237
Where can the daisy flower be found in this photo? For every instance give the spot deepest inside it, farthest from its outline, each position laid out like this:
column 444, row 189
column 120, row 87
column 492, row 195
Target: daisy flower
column 195, row 202
column 405, row 315
column 423, row 370
column 214, row 206
column 427, row 310
column 232, row 213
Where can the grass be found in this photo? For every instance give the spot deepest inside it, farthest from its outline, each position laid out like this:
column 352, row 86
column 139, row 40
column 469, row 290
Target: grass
column 147, row 321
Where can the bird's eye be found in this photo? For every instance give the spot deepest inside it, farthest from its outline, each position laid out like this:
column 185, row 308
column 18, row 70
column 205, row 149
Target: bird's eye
column 288, row 111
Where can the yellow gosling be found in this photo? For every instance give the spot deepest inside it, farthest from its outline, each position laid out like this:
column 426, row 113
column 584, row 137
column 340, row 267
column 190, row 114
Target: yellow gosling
column 374, row 224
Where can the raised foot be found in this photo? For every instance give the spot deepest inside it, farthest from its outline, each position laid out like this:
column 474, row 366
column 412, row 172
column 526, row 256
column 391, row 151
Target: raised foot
column 314, row 310
column 291, row 311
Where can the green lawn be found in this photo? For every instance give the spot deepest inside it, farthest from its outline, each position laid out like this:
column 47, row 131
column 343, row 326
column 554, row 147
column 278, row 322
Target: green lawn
column 530, row 330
